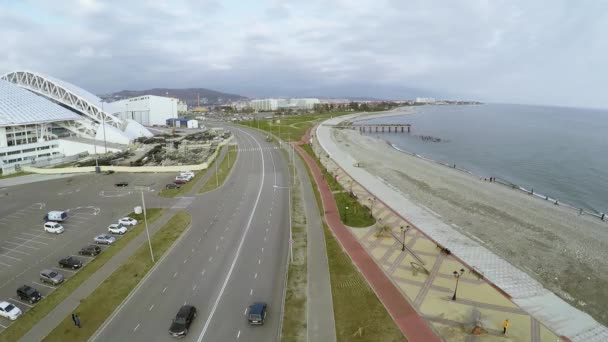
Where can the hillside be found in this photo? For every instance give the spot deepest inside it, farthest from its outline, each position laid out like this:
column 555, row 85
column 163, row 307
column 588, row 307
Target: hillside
column 189, row 95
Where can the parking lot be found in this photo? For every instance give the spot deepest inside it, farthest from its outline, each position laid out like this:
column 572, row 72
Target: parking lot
column 92, row 202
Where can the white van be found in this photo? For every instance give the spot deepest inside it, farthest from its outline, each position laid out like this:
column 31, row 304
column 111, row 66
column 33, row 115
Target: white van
column 53, row 227
column 56, row 216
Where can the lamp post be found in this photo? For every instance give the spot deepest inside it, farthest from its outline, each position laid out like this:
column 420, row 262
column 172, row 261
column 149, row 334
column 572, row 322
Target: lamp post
column 403, row 241
column 346, row 214
column 457, row 276
column 105, row 145
column 143, row 203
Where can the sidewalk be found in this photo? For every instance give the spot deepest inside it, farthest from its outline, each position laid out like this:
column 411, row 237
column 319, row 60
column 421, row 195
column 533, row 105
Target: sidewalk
column 413, row 327
column 321, row 325
column 68, row 305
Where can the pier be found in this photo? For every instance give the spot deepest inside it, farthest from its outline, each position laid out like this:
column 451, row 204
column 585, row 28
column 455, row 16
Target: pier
column 381, row 128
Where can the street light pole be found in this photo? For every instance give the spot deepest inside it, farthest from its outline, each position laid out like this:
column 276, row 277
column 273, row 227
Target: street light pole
column 217, row 182
column 403, row 241
column 290, row 231
column 457, row 276
column 105, row 145
column 143, row 202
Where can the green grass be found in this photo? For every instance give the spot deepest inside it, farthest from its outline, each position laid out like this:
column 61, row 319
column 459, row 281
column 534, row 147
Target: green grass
column 185, row 187
column 291, row 127
column 356, row 306
column 294, row 315
column 222, row 172
column 16, row 174
column 98, row 306
column 48, row 303
column 331, row 181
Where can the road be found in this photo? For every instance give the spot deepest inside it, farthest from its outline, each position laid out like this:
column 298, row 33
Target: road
column 235, row 253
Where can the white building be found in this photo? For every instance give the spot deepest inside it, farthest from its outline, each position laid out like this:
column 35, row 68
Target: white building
column 148, row 110
column 262, row 105
column 182, row 107
column 429, row 100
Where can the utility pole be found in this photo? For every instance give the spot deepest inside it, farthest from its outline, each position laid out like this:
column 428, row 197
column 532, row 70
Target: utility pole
column 217, row 182
column 105, row 145
column 143, row 202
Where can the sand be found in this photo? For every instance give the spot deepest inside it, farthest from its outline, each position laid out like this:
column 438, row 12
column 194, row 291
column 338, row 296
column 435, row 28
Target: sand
column 564, row 251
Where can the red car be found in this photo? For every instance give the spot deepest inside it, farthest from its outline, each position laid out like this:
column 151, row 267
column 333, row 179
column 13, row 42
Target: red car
column 180, row 181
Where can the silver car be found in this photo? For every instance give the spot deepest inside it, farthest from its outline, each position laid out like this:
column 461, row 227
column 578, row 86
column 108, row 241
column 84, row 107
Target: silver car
column 105, row 239
column 51, row 277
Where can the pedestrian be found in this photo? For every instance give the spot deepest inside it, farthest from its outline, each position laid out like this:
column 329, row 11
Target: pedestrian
column 76, row 320
column 505, row 325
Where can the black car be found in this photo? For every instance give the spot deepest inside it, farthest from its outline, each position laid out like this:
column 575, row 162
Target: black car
column 173, row 186
column 257, row 313
column 28, row 293
column 91, row 250
column 182, row 321
column 122, row 184
column 70, row 262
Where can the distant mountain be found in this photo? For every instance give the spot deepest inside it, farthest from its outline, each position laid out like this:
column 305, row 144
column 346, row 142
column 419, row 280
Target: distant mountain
column 189, row 95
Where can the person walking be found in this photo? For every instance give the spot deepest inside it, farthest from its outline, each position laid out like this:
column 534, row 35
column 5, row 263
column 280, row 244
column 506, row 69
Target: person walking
column 505, row 325
column 76, row 320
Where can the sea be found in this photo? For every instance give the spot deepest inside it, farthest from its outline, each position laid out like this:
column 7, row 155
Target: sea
column 558, row 152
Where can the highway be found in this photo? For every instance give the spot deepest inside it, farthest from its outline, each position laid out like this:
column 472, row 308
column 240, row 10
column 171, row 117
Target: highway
column 235, row 253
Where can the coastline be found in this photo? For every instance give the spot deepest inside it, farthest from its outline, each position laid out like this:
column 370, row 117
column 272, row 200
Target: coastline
column 565, row 252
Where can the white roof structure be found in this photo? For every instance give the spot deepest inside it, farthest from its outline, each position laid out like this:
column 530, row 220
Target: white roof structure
column 20, row 107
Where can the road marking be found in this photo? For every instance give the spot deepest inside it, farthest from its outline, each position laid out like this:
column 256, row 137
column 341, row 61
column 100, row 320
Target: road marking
column 29, row 240
column 251, row 292
column 10, row 257
column 264, row 239
column 1, row 263
column 244, row 313
column 199, row 239
column 222, row 237
column 192, row 250
column 210, row 258
column 262, row 249
column 20, row 302
column 238, row 251
column 174, row 274
column 64, row 269
column 151, row 307
column 203, row 273
column 50, row 287
column 259, row 261
column 165, row 289
column 255, row 276
column 185, row 261
column 238, row 334
column 217, row 247
column 16, row 251
column 136, row 327
column 38, row 235
column 83, row 256
column 266, row 230
column 21, row 245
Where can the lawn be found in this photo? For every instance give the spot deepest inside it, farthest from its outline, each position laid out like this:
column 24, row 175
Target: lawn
column 47, row 304
column 223, row 171
column 290, row 127
column 16, row 174
column 188, row 186
column 97, row 307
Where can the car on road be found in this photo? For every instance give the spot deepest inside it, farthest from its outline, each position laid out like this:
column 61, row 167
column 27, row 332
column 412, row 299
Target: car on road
column 53, row 227
column 91, row 250
column 117, row 228
column 257, row 313
column 104, row 239
column 181, row 323
column 173, row 186
column 51, row 277
column 127, row 221
column 28, row 294
column 121, row 184
column 70, row 262
column 9, row 311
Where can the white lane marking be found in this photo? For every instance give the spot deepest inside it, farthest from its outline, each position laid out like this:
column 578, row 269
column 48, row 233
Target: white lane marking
column 238, row 334
column 38, row 235
column 194, row 288
column 21, row 245
column 251, row 292
column 50, row 287
column 151, row 307
column 192, row 250
column 10, row 257
column 245, row 312
column 222, row 238
column 203, row 273
column 136, row 327
column 199, row 239
column 259, row 261
column 262, row 249
column 165, row 289
column 264, row 239
column 255, row 276
column 16, row 251
column 20, row 302
column 217, row 247
column 64, row 270
column 185, row 261
column 238, row 251
column 174, row 274
column 1, row 263
column 210, row 258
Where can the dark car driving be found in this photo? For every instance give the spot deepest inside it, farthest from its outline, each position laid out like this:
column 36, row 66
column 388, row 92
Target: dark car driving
column 257, row 313
column 70, row 262
column 181, row 322
column 29, row 294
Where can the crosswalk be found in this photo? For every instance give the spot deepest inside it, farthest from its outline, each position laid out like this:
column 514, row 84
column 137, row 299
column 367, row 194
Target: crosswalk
column 257, row 149
column 183, row 202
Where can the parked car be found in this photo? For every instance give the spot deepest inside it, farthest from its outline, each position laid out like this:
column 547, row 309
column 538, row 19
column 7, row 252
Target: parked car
column 180, row 180
column 181, row 323
column 127, row 221
column 53, row 227
column 29, row 294
column 121, row 184
column 56, row 216
column 173, row 186
column 257, row 313
column 117, row 228
column 91, row 250
column 9, row 311
column 104, row 239
column 51, row 277
column 188, row 174
column 70, row 262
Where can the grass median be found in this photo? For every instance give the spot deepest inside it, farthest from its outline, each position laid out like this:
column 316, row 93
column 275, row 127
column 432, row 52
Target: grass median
column 21, row 326
column 185, row 188
column 97, row 307
column 223, row 171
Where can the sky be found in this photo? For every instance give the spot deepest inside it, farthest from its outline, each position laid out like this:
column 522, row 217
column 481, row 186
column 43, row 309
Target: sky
column 532, row 52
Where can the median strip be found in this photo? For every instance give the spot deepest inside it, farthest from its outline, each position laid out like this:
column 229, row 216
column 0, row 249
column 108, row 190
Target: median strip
column 223, row 170
column 98, row 306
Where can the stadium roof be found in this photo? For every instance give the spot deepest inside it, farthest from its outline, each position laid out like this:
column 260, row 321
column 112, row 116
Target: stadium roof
column 19, row 107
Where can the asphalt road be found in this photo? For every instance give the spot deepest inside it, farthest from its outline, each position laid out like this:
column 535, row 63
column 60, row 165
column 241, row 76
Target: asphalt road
column 93, row 203
column 235, row 253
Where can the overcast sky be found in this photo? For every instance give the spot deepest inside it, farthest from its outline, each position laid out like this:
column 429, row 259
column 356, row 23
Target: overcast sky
column 496, row 51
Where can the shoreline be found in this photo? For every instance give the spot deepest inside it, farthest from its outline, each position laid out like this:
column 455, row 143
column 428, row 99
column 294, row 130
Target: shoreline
column 603, row 217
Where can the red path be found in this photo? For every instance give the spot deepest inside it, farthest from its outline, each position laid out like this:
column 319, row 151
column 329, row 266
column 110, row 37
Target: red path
column 413, row 327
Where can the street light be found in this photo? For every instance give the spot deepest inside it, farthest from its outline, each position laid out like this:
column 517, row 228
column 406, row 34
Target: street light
column 105, row 145
column 346, row 214
column 143, row 203
column 403, row 230
column 457, row 276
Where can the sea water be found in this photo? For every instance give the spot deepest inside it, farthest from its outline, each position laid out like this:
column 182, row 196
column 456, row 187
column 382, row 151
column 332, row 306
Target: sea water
column 556, row 151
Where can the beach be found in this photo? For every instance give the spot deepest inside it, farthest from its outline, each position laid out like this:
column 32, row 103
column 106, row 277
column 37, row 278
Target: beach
column 564, row 251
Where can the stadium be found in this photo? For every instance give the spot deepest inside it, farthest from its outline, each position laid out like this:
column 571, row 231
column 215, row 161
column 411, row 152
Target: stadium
column 46, row 121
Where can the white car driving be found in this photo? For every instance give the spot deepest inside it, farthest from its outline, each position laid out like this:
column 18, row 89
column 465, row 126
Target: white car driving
column 53, row 227
column 9, row 311
column 117, row 228
column 127, row 221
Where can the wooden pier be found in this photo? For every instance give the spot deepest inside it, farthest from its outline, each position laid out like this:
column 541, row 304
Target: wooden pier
column 381, row 128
